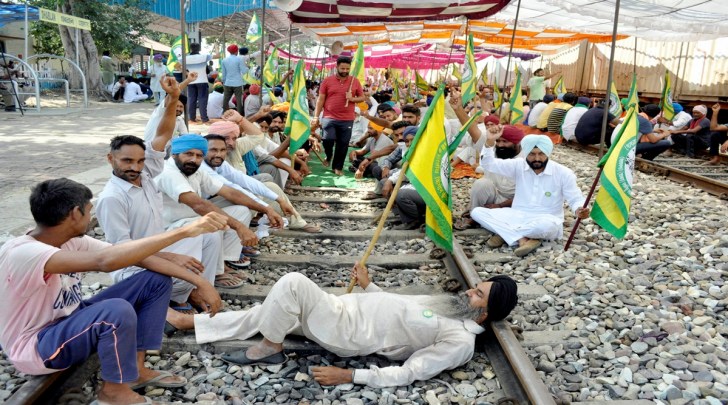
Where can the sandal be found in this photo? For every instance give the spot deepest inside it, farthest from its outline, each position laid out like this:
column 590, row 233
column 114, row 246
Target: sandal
column 228, row 281
column 157, row 381
column 243, row 263
column 183, row 307
column 249, row 252
column 465, row 223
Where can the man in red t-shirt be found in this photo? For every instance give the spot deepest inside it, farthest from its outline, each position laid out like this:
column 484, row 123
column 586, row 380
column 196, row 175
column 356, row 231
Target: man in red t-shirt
column 334, row 93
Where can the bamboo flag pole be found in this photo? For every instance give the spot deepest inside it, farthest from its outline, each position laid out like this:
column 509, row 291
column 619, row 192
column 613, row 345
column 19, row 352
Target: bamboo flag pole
column 380, row 227
column 605, row 116
column 510, row 53
column 586, row 204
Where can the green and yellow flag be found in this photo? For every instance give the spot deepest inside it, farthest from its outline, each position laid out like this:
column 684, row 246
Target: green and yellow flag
column 517, row 100
column 456, row 72
column 357, row 64
column 273, row 98
column 270, row 70
column 633, row 99
column 560, row 87
column 463, row 130
column 176, row 51
column 298, row 123
column 429, row 171
column 255, row 30
column 420, row 82
column 395, row 90
column 615, row 105
column 469, row 81
column 484, row 76
column 497, row 96
column 250, row 79
column 668, row 112
column 611, row 207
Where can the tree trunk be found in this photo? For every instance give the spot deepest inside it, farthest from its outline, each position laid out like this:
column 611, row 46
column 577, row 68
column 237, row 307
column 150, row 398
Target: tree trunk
column 88, row 56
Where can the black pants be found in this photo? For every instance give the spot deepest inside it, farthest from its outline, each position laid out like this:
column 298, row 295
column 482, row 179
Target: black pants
column 716, row 139
column 410, row 206
column 336, row 133
column 650, row 150
column 690, row 144
column 369, row 171
column 228, row 93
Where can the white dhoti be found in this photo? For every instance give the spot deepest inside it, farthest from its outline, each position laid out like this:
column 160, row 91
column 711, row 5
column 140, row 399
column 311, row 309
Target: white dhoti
column 231, row 246
column 512, row 224
column 491, row 189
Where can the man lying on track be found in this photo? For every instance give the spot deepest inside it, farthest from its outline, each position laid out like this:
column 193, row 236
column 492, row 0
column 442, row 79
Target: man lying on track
column 429, row 333
column 46, row 326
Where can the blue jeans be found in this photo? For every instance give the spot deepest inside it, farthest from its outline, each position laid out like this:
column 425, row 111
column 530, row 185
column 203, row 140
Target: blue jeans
column 336, row 133
column 197, row 94
column 117, row 323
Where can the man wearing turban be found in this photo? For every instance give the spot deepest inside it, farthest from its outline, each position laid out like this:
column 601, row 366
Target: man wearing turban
column 492, row 190
column 187, row 192
column 429, row 334
column 233, row 69
column 542, row 186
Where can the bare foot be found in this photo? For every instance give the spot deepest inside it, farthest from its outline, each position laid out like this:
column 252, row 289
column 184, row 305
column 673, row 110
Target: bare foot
column 181, row 321
column 713, row 162
column 338, row 172
column 119, row 394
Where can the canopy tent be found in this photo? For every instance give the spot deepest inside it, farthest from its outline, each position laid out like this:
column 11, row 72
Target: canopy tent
column 16, row 12
column 665, row 20
column 359, row 11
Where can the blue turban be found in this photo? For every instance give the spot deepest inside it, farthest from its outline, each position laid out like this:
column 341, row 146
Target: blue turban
column 185, row 142
column 677, row 107
column 410, row 130
column 542, row 142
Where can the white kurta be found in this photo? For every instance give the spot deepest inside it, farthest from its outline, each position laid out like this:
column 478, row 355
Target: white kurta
column 390, row 325
column 537, row 211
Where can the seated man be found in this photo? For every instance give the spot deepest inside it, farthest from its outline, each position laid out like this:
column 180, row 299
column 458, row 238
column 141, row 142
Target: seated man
column 573, row 116
column 718, row 138
column 376, row 141
column 492, row 190
column 391, row 161
column 130, row 207
column 535, row 114
column 679, row 121
column 543, row 118
column 650, row 142
column 45, row 324
column 695, row 136
column 588, row 130
column 239, row 157
column 542, row 186
column 556, row 117
column 214, row 101
column 133, row 92
column 190, row 192
column 430, row 334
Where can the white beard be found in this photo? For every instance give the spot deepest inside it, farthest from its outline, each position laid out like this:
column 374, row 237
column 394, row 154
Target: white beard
column 452, row 306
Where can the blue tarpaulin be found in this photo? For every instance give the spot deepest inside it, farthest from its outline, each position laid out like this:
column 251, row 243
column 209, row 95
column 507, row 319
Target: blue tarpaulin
column 16, row 12
column 198, row 10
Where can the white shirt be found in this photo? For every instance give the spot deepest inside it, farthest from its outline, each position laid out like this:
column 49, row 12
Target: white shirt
column 127, row 212
column 214, row 104
column 542, row 193
column 536, row 113
column 159, row 71
column 198, row 63
column 570, row 120
column 679, row 121
column 212, row 173
column 173, row 183
column 243, row 180
column 132, row 91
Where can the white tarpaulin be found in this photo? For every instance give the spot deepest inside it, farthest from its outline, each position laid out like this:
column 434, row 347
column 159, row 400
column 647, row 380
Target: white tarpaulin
column 666, row 20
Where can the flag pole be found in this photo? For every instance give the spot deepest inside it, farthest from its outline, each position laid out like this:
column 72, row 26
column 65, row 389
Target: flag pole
column 382, row 220
column 290, row 44
column 183, row 33
column 262, row 51
column 586, row 204
column 605, row 116
column 510, row 52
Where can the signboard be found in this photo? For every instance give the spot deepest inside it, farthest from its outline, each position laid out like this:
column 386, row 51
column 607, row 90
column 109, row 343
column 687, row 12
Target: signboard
column 64, row 19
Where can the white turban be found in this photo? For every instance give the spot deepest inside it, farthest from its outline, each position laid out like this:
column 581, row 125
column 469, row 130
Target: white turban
column 542, row 142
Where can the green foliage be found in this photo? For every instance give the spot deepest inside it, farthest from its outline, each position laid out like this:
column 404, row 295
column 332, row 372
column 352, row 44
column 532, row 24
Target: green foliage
column 116, row 28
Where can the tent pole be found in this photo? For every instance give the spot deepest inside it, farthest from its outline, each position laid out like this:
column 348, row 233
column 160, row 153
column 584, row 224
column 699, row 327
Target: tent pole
column 609, row 81
column 183, row 34
column 77, row 53
column 677, row 73
column 25, row 31
column 510, row 52
column 262, row 51
column 290, row 44
column 447, row 70
column 634, row 62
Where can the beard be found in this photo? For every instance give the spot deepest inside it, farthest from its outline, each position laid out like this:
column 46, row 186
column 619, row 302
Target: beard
column 127, row 175
column 188, row 168
column 452, row 306
column 505, row 152
column 536, row 165
column 214, row 161
column 342, row 74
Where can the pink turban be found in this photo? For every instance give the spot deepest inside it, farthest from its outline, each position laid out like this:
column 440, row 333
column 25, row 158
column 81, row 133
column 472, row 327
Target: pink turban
column 492, row 118
column 224, row 128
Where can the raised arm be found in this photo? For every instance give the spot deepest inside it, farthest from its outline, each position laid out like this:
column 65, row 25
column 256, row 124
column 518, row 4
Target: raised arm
column 166, row 126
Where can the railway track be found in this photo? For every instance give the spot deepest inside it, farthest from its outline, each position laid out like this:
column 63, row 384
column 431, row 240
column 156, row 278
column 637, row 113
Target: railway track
column 403, row 262
column 679, row 168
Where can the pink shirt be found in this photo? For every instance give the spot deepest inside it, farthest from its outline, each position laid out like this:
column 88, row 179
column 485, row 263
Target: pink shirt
column 335, row 91
column 30, row 299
